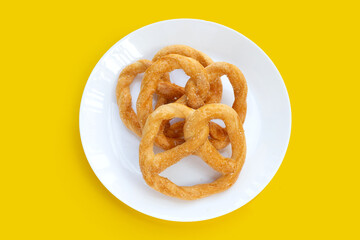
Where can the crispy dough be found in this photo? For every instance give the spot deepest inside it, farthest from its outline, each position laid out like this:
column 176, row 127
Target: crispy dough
column 123, row 95
column 186, row 51
column 196, row 133
column 170, row 91
column 202, row 92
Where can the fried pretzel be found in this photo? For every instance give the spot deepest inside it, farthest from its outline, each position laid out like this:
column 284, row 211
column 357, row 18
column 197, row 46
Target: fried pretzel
column 196, row 131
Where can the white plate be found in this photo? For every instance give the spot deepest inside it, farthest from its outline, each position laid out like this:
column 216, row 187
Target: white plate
column 112, row 150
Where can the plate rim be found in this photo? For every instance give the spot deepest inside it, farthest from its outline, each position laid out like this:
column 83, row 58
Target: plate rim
column 220, row 213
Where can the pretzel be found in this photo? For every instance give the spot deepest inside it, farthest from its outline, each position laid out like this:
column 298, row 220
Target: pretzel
column 151, row 79
column 196, row 133
column 218, row 135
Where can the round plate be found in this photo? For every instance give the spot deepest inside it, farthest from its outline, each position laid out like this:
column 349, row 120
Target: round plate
column 112, row 150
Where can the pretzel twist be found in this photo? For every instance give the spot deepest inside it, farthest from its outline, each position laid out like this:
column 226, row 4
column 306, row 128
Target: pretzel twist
column 196, row 133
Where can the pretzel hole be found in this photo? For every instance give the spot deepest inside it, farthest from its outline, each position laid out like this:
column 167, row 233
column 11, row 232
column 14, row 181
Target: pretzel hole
column 219, row 122
column 228, row 97
column 179, row 77
column 154, row 100
column 226, row 152
column 135, row 89
column 175, row 132
column 175, row 120
column 157, row 150
column 190, row 171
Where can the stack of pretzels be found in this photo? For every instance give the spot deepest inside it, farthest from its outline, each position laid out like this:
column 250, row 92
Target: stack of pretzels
column 197, row 104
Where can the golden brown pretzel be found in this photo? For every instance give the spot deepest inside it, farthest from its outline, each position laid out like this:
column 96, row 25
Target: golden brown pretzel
column 196, row 132
column 150, row 82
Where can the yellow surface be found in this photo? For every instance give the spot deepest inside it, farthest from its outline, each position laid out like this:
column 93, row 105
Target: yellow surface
column 48, row 49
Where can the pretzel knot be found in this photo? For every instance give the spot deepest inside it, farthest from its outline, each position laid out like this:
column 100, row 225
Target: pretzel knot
column 196, row 132
column 172, row 91
column 214, row 71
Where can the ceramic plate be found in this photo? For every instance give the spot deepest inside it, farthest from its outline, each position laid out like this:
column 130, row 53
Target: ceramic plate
column 112, row 150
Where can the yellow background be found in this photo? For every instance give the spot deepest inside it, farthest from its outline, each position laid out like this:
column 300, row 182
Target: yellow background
column 48, row 49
